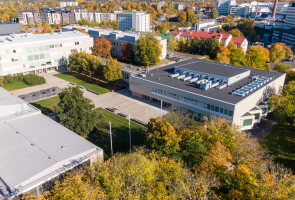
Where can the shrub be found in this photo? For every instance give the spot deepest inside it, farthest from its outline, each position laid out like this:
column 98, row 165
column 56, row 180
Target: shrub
column 30, row 79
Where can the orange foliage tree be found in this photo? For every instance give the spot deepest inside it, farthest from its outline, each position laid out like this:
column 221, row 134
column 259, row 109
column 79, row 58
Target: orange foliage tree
column 127, row 53
column 102, row 47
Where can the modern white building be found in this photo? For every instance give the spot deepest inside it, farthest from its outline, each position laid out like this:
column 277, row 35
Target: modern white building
column 290, row 19
column 63, row 4
column 207, row 88
column 223, row 6
column 35, row 150
column 138, row 21
column 117, row 38
column 39, row 53
column 207, row 26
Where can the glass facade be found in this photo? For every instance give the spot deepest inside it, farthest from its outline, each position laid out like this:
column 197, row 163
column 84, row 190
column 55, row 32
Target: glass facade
column 212, row 108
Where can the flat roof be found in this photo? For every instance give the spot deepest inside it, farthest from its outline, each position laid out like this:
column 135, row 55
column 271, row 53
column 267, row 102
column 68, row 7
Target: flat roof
column 34, row 148
column 28, row 38
column 209, row 67
column 161, row 76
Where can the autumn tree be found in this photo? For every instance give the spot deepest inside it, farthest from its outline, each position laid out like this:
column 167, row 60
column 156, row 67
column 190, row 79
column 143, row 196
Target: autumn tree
column 281, row 67
column 102, row 47
column 288, row 52
column 258, row 56
column 161, row 138
column 223, row 55
column 284, row 104
column 236, row 33
column 215, row 13
column 181, row 17
column 85, row 63
column 112, row 72
column 75, row 112
column 276, row 53
column 1, row 81
column 237, row 56
column 127, row 53
column 148, row 50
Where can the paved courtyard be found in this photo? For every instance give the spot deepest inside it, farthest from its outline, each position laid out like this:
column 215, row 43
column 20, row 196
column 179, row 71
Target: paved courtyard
column 122, row 99
column 126, row 104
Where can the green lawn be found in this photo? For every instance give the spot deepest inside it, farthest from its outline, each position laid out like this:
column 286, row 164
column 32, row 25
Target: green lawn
column 47, row 105
column 88, row 85
column 15, row 86
column 281, row 144
column 120, row 132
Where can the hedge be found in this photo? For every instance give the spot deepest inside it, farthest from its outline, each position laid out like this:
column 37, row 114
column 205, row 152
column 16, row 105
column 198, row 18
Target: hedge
column 30, row 79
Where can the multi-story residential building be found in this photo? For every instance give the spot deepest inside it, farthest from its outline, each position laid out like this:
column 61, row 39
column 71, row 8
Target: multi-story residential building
column 36, row 150
column 99, row 17
column 223, row 6
column 26, row 16
column 67, row 17
column 117, row 38
column 138, row 21
column 290, row 19
column 207, row 26
column 63, row 4
column 240, row 10
column 39, row 53
column 206, row 88
column 223, row 38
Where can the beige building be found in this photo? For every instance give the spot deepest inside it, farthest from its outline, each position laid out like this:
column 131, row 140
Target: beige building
column 206, row 88
column 29, row 53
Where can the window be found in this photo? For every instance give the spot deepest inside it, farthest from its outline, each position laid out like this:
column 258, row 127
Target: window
column 35, row 49
column 51, row 46
column 76, row 43
column 208, row 106
column 225, row 111
column 36, row 57
column 46, row 48
column 14, row 51
column 216, row 109
column 230, row 113
column 40, row 48
column 29, row 50
column 212, row 107
column 42, row 56
column 30, row 58
column 247, row 122
column 264, row 110
column 221, row 110
column 257, row 115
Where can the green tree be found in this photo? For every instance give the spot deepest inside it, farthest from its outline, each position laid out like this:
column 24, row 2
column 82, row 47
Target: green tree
column 148, row 50
column 85, row 63
column 284, row 104
column 102, row 47
column 281, row 67
column 162, row 138
column 276, row 53
column 215, row 13
column 75, row 112
column 258, row 56
column 288, row 52
column 191, row 17
column 112, row 72
column 211, row 48
column 171, row 43
column 236, row 33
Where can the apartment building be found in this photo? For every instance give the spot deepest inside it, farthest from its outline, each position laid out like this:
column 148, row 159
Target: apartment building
column 138, row 21
column 36, row 150
column 99, row 17
column 40, row 53
column 179, row 7
column 117, row 38
column 63, row 4
column 26, row 16
column 223, row 38
column 206, row 88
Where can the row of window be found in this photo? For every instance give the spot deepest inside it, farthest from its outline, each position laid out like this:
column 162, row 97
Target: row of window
column 55, row 46
column 213, row 108
column 38, row 56
column 37, row 49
